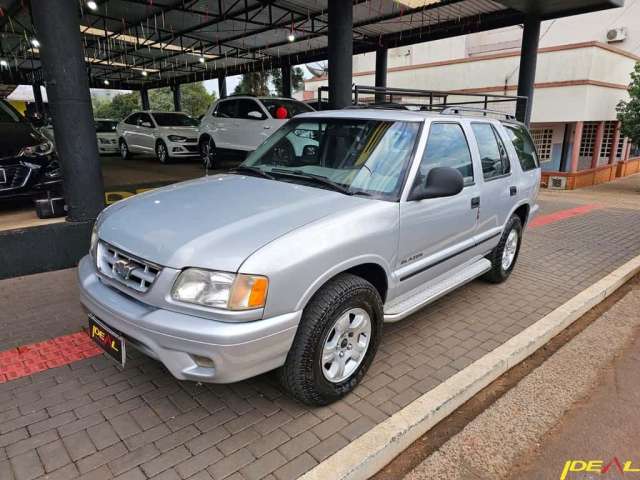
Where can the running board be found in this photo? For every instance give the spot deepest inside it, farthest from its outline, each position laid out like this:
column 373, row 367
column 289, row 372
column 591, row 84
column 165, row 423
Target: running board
column 424, row 294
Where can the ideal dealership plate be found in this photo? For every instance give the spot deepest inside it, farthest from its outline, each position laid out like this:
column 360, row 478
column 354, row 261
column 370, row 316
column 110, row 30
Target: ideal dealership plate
column 111, row 342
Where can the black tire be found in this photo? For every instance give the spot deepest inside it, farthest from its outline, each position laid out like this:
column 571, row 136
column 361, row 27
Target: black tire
column 302, row 374
column 162, row 152
column 283, row 153
column 125, row 154
column 208, row 152
column 498, row 273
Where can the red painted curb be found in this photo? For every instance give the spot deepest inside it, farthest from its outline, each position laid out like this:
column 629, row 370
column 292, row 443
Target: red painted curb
column 37, row 357
column 562, row 215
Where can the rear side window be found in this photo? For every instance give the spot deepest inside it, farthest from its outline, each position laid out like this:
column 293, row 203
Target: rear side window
column 132, row 119
column 493, row 155
column 446, row 147
column 524, row 146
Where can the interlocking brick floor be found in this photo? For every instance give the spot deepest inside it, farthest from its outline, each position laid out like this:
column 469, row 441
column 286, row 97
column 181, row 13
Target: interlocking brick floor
column 90, row 420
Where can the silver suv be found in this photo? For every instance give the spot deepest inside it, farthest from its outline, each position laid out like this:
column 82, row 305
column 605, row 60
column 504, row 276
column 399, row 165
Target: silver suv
column 295, row 262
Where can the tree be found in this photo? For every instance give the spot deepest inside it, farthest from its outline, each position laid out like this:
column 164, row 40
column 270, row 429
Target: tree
column 254, row 83
column 629, row 112
column 297, row 80
column 119, row 107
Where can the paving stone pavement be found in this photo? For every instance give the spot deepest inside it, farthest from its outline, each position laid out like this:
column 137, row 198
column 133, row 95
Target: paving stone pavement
column 91, row 420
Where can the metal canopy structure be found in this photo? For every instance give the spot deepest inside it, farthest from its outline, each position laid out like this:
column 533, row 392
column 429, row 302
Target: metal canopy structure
column 139, row 44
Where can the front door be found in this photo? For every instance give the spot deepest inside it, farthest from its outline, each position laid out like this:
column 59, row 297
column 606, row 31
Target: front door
column 250, row 127
column 146, row 133
column 437, row 234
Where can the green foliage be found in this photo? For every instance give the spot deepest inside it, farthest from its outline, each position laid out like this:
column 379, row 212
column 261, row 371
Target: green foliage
column 194, row 98
column 254, row 83
column 297, row 80
column 629, row 112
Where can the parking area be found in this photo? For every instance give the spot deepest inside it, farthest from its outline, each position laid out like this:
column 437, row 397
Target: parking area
column 89, row 418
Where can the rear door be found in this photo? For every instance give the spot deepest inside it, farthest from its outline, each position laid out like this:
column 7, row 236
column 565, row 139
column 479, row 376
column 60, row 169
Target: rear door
column 437, row 234
column 498, row 190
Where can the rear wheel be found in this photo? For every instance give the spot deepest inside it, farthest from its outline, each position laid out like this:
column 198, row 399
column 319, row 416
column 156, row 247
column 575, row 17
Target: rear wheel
column 503, row 258
column 162, row 152
column 208, row 152
column 336, row 341
column 124, row 150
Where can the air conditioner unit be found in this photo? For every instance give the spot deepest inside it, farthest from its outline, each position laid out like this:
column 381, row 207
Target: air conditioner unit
column 616, row 34
column 557, row 183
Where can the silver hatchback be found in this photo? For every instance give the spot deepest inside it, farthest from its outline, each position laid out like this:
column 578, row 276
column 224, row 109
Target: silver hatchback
column 339, row 222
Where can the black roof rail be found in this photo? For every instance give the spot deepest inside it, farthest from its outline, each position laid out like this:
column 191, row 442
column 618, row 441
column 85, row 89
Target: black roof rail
column 455, row 110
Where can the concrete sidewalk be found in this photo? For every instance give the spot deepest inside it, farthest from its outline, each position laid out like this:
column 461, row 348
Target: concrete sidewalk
column 580, row 404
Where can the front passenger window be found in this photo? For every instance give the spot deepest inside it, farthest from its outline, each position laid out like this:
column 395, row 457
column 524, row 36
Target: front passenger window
column 446, row 147
column 493, row 155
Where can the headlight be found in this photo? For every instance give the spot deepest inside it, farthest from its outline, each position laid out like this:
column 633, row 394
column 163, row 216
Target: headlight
column 177, row 138
column 94, row 240
column 39, row 150
column 220, row 289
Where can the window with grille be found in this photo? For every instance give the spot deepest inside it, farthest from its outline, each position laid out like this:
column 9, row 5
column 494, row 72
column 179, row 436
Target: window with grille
column 607, row 141
column 543, row 140
column 588, row 139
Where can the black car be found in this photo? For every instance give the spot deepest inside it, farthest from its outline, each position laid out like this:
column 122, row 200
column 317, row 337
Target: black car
column 28, row 163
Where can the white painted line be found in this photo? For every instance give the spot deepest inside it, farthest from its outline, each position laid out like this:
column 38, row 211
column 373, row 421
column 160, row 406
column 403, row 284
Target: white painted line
column 369, row 453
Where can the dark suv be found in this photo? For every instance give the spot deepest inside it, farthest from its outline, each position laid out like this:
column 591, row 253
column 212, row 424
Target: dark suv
column 28, row 164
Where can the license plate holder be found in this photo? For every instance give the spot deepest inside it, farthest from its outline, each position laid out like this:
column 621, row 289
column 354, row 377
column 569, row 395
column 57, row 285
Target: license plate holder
column 111, row 342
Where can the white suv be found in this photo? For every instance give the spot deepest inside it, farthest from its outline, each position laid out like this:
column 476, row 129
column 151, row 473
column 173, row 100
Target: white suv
column 167, row 134
column 242, row 123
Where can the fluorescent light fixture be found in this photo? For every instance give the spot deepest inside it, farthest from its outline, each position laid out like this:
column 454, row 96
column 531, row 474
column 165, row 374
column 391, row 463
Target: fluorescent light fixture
column 144, row 73
column 201, row 60
column 91, row 5
column 3, row 63
column 106, row 82
column 291, row 37
column 35, row 42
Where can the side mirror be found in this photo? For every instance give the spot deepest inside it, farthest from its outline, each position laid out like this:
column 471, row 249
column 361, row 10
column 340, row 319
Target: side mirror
column 440, row 182
column 146, row 124
column 255, row 115
column 310, row 151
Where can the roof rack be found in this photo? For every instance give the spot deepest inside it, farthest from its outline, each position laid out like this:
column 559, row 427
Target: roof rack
column 460, row 111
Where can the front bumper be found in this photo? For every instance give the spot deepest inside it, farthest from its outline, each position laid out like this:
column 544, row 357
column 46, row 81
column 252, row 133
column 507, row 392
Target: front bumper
column 238, row 350
column 183, row 149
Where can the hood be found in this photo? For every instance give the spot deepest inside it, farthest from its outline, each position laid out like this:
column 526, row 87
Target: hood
column 215, row 222
column 15, row 136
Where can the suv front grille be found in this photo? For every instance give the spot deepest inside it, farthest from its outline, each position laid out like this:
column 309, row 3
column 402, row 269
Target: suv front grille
column 15, row 176
column 126, row 269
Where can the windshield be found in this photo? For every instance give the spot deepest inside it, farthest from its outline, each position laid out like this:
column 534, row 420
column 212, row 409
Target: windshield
column 8, row 114
column 282, row 109
column 363, row 156
column 106, row 126
column 174, row 120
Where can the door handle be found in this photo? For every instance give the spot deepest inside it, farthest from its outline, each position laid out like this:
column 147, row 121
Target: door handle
column 475, row 202
column 267, row 127
column 513, row 191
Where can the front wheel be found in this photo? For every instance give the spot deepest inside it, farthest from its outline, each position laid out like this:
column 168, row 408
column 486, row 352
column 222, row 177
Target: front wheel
column 124, row 150
column 336, row 341
column 208, row 152
column 162, row 153
column 503, row 257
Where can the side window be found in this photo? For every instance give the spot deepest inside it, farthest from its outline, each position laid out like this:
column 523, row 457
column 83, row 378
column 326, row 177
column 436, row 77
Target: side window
column 446, row 147
column 250, row 110
column 227, row 109
column 144, row 118
column 524, row 146
column 132, row 119
column 493, row 154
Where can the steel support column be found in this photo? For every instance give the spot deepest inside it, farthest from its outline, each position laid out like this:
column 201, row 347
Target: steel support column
column 57, row 23
column 575, row 149
column 340, row 52
column 381, row 72
column 222, row 86
column 527, row 75
column 144, row 99
column 37, row 97
column 177, row 98
column 286, row 81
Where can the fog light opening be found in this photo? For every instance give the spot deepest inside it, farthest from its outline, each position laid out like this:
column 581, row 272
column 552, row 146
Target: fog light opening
column 203, row 361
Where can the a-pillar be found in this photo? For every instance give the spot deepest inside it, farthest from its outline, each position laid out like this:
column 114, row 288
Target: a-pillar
column 222, row 86
column 575, row 149
column 528, row 60
column 381, row 72
column 144, row 98
column 286, row 80
column 597, row 145
column 615, row 144
column 177, row 98
column 57, row 23
column 340, row 37
column 37, row 97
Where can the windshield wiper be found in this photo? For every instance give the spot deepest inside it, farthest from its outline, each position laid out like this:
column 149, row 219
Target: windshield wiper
column 314, row 178
column 252, row 171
